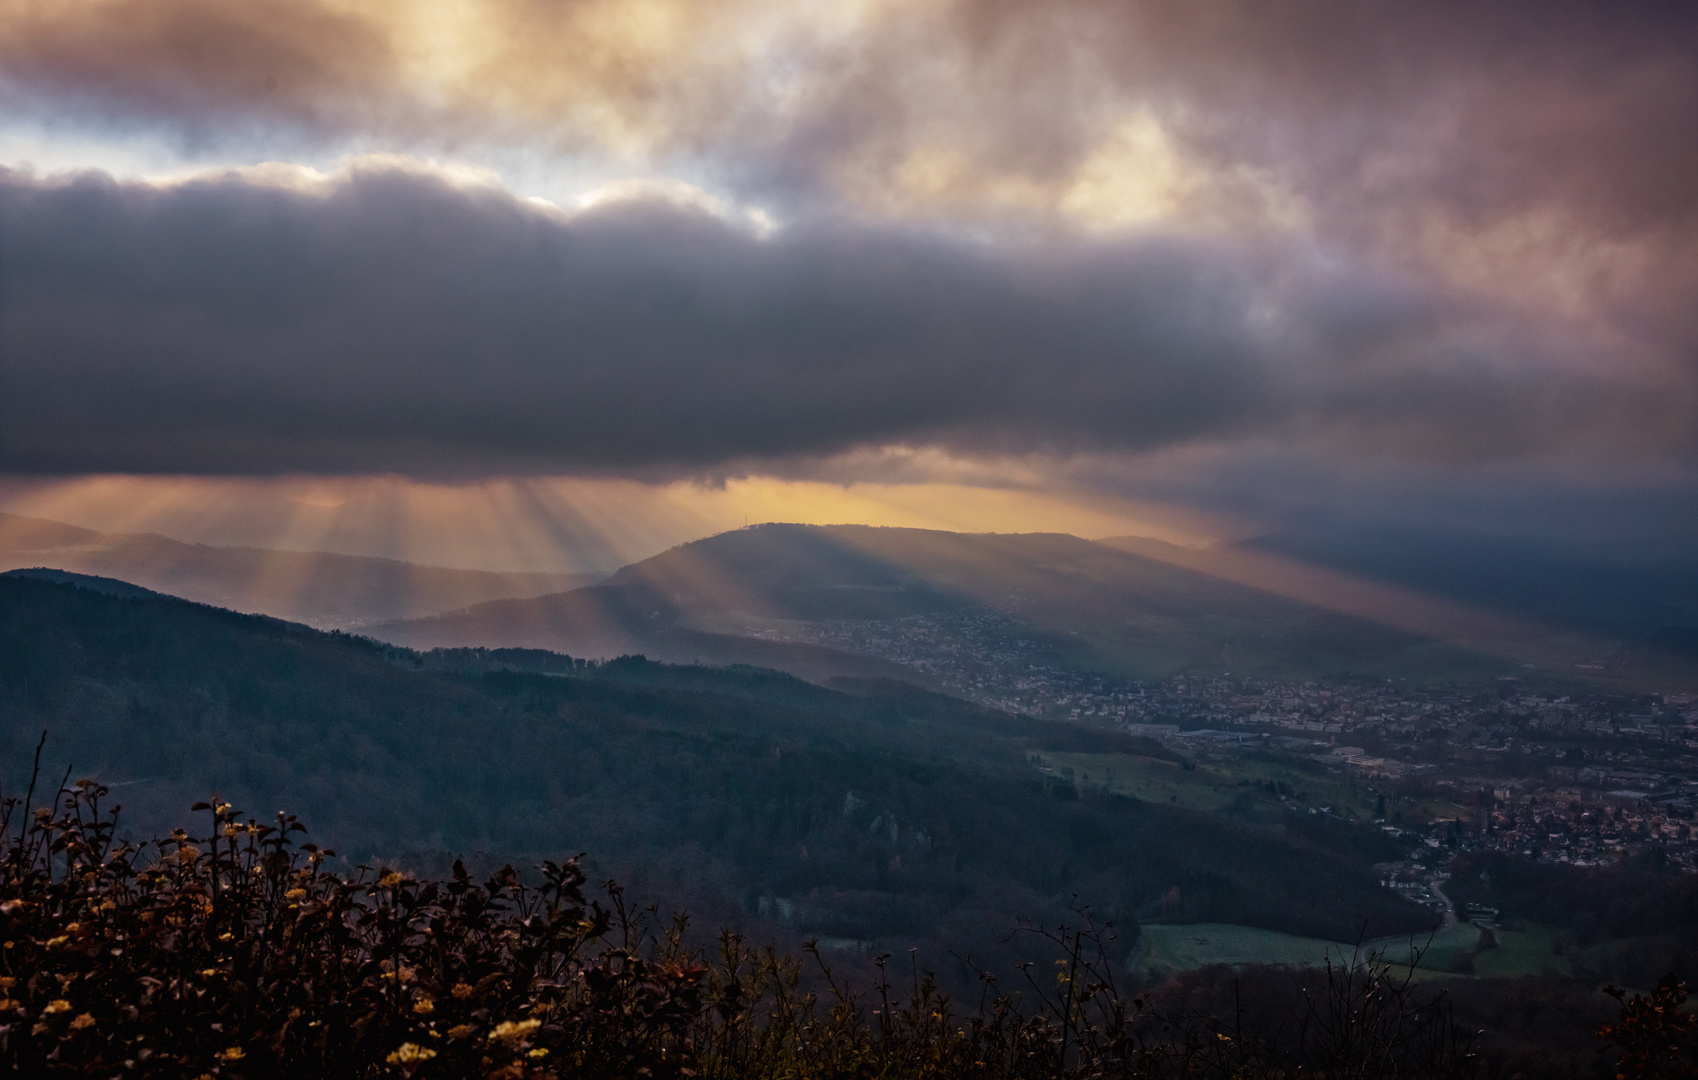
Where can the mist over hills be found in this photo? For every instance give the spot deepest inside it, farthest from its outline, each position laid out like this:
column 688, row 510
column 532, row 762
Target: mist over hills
column 874, row 811
column 1627, row 590
column 1320, row 604
column 1145, row 609
column 318, row 588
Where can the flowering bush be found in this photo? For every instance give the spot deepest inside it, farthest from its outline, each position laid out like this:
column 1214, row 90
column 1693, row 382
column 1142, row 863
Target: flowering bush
column 238, row 954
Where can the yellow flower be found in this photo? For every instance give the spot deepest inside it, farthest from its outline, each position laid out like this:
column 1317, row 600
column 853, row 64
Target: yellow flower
column 7, row 1004
column 424, row 1006
column 207, row 973
column 294, row 894
column 57, row 1005
column 235, row 1053
column 83, row 1020
column 410, row 1054
column 389, row 880
column 7, row 982
column 73, row 928
column 462, row 991
column 55, row 942
column 539, row 1052
column 513, row 1030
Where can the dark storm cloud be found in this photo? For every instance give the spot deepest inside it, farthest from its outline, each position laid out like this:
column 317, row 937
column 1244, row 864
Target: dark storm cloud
column 389, row 320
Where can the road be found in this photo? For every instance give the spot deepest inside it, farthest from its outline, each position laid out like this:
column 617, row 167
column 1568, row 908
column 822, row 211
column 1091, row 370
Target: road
column 1449, row 906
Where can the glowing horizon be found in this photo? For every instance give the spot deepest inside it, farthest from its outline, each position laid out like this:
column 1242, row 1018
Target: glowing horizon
column 552, row 524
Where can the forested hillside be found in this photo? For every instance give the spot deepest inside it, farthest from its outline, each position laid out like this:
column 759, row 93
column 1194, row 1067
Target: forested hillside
column 875, row 813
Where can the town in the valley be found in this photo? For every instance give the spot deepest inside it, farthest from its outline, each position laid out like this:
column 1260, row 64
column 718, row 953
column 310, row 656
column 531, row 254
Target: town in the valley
column 1553, row 772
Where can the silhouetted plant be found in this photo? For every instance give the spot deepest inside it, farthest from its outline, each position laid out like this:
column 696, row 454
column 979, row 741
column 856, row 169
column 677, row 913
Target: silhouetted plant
column 1651, row 1035
column 237, row 953
column 241, row 953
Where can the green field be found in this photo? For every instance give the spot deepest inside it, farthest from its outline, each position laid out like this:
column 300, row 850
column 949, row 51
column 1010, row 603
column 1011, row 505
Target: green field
column 1521, row 952
column 1237, row 787
column 1175, row 947
column 1444, row 951
column 1457, row 950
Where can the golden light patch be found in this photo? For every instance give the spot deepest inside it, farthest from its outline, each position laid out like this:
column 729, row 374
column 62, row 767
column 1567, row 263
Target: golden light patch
column 1133, row 175
column 559, row 524
column 949, row 507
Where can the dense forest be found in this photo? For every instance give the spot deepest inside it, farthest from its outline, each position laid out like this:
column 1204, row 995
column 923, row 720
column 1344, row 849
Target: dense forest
column 872, row 816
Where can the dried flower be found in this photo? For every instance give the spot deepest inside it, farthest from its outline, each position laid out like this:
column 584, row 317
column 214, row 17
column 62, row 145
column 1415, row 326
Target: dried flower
column 83, row 1020
column 57, row 1005
column 513, row 1030
column 235, row 1053
column 410, row 1054
column 462, row 990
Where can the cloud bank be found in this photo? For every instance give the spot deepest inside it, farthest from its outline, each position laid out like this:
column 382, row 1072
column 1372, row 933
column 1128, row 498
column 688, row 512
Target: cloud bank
column 390, row 319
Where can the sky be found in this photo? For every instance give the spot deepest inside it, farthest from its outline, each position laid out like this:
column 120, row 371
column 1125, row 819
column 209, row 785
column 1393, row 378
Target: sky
column 552, row 284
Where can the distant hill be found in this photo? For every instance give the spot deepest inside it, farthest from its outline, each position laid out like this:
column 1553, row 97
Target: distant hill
column 887, row 815
column 1613, row 590
column 1630, row 619
column 317, row 588
column 1091, row 606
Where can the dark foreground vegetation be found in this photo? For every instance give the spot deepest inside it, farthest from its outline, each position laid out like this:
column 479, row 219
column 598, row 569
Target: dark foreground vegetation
column 237, row 953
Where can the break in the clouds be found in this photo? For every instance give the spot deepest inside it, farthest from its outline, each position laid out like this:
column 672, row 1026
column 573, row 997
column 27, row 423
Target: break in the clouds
column 389, row 319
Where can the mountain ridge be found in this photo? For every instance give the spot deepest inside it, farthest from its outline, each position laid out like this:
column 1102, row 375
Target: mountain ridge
column 1099, row 607
column 323, row 589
